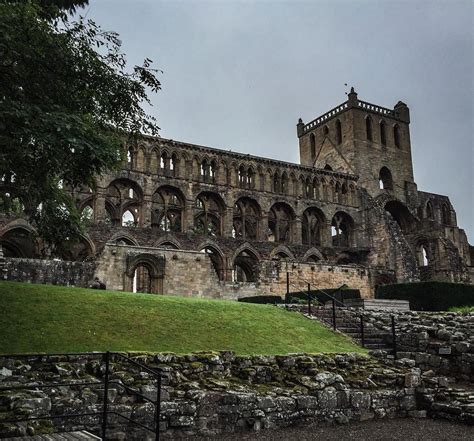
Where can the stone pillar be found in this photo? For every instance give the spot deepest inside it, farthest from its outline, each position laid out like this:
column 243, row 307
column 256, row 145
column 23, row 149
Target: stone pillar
column 228, row 222
column 145, row 221
column 297, row 231
column 188, row 217
column 100, row 213
column 263, row 227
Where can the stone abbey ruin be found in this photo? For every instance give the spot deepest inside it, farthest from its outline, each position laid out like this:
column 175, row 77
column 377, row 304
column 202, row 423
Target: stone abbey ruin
column 184, row 219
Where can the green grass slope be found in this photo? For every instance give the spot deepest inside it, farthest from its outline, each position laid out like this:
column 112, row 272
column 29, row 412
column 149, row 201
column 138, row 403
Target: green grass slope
column 44, row 318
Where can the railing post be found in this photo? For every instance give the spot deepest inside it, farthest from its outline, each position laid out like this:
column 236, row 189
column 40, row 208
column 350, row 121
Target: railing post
column 106, row 396
column 309, row 299
column 157, row 408
column 362, row 336
column 334, row 314
column 287, row 288
column 394, row 338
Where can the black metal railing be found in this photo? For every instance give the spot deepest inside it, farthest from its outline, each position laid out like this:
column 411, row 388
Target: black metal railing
column 103, row 414
column 335, row 303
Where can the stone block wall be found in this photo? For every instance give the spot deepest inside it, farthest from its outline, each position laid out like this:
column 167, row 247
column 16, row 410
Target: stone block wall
column 52, row 272
column 441, row 342
column 209, row 393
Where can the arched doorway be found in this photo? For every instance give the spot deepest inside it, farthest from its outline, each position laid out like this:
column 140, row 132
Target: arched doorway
column 145, row 273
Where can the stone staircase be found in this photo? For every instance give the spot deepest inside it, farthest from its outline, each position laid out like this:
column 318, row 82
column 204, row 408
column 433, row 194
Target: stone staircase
column 348, row 322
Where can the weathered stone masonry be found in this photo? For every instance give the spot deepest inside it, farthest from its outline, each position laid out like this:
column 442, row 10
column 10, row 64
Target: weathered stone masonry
column 351, row 204
column 211, row 393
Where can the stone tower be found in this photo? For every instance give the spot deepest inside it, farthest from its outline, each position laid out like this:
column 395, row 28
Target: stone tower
column 363, row 139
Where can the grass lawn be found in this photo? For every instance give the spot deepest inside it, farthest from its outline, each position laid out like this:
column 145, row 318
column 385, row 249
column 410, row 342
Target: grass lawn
column 45, row 318
column 462, row 309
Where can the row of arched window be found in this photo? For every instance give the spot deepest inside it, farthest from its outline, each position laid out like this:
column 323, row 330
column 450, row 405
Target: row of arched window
column 369, row 132
column 124, row 206
column 444, row 216
column 245, row 176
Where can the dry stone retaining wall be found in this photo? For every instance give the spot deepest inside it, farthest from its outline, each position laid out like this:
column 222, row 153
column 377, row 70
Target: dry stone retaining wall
column 210, row 393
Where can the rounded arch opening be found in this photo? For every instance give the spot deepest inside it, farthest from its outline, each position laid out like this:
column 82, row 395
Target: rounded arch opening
column 167, row 209
column 385, row 179
column 280, row 223
column 342, row 226
column 246, row 219
column 245, row 267
column 401, row 215
column 209, row 214
column 312, row 226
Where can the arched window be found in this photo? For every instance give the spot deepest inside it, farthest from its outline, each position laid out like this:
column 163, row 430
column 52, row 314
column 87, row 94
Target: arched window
column 396, row 135
column 216, row 260
column 338, row 132
column 385, row 179
column 129, row 219
column 280, row 223
column 250, row 178
column 276, row 183
column 246, row 219
column 445, row 214
column 204, row 170
column 209, row 213
column 383, row 137
column 140, row 160
column 124, row 195
column 242, row 177
column 401, row 215
column 284, row 183
column 245, row 267
column 326, row 130
column 312, row 225
column 164, row 162
column 429, row 210
column 341, row 229
column 422, row 255
column 167, row 209
column 368, row 128
column 312, row 145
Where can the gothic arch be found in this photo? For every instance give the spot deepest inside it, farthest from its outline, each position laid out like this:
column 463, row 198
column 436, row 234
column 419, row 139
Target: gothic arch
column 282, row 249
column 167, row 209
column 168, row 239
column 209, row 213
column 246, row 219
column 123, row 237
column 313, row 222
column 246, row 247
column 217, row 257
column 342, row 229
column 311, row 253
column 281, row 219
column 245, row 266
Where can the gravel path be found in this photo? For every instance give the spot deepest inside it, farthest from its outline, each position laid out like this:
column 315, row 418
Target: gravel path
column 379, row 430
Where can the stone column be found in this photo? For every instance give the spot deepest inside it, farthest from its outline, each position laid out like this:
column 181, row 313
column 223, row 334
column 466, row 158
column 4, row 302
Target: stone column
column 100, row 213
column 228, row 222
column 297, row 231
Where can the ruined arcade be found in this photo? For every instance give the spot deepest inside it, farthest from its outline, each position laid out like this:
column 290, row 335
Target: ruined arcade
column 184, row 219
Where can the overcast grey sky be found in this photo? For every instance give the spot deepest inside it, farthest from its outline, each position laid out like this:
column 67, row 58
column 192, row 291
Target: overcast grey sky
column 238, row 74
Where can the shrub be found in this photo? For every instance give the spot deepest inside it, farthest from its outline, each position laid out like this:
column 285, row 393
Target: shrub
column 274, row 300
column 429, row 296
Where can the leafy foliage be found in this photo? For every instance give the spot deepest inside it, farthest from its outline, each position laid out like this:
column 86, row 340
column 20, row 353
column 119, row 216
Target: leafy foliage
column 68, row 103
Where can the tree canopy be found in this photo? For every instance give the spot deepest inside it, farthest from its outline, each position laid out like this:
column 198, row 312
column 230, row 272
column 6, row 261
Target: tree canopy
column 68, row 103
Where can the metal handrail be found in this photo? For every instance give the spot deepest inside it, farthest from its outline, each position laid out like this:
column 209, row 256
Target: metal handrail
column 102, row 414
column 324, row 292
